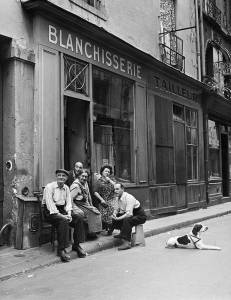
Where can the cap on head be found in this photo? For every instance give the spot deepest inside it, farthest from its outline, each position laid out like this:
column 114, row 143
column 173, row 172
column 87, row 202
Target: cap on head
column 62, row 171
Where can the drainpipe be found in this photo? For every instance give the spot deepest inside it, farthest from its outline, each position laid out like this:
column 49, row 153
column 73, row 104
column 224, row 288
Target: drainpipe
column 206, row 151
column 198, row 53
column 201, row 27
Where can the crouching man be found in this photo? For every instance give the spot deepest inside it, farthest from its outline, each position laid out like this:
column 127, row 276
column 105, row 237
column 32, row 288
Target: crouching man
column 58, row 212
column 128, row 214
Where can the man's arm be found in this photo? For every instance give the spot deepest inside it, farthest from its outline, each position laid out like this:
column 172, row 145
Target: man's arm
column 48, row 200
column 68, row 202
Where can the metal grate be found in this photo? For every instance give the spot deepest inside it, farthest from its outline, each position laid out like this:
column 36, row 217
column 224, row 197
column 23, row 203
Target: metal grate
column 75, row 75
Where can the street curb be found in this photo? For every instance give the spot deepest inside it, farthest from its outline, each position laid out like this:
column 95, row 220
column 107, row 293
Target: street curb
column 99, row 246
column 171, row 227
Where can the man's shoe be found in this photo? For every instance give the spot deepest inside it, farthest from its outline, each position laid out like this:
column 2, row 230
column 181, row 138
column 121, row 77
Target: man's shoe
column 117, row 236
column 81, row 253
column 126, row 245
column 64, row 256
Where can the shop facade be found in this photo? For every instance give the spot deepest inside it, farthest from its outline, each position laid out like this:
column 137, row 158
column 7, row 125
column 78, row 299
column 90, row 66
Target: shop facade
column 94, row 98
column 104, row 104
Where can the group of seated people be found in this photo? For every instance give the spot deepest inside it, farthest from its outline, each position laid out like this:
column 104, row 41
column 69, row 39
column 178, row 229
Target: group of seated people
column 67, row 202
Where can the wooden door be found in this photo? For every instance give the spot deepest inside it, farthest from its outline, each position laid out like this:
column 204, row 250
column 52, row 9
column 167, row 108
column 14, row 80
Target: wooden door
column 180, row 163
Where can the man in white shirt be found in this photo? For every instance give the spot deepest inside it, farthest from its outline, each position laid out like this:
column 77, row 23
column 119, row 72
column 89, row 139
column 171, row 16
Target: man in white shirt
column 58, row 211
column 128, row 214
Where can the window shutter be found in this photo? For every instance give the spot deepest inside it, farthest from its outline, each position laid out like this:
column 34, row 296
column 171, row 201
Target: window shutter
column 49, row 95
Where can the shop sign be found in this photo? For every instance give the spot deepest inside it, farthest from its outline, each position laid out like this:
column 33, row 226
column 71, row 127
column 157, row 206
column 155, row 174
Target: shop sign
column 175, row 88
column 90, row 50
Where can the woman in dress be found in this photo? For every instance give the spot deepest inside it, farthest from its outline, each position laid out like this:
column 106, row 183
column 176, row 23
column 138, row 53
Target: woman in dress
column 104, row 192
column 82, row 203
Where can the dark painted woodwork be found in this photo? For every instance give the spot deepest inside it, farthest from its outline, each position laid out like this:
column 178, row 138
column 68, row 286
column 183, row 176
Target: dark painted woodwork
column 141, row 134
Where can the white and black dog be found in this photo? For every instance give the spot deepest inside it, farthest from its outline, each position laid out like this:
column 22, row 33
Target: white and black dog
column 191, row 240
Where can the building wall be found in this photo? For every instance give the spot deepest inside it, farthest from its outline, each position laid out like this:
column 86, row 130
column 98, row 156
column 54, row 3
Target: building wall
column 16, row 23
column 138, row 24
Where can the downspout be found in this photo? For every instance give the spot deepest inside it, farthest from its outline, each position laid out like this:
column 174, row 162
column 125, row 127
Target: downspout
column 204, row 103
column 206, row 150
column 198, row 46
column 201, row 29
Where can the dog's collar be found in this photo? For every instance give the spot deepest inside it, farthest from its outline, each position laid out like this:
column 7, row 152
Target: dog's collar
column 194, row 239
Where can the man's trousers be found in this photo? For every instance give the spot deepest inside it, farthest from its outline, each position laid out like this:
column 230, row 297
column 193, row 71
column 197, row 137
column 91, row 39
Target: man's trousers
column 62, row 227
column 125, row 225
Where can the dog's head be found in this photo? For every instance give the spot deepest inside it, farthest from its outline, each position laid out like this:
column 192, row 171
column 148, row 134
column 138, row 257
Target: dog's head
column 198, row 228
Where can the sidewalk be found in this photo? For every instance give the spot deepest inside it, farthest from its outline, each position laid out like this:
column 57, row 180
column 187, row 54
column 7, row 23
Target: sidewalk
column 15, row 262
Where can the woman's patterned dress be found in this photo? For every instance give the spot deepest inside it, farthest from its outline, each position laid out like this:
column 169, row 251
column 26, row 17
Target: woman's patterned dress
column 106, row 191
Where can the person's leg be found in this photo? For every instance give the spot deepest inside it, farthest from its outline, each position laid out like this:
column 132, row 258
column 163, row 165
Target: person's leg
column 62, row 227
column 79, row 235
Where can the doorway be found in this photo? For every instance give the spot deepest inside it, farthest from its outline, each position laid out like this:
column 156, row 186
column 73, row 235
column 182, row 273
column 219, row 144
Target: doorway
column 225, row 164
column 180, row 164
column 76, row 132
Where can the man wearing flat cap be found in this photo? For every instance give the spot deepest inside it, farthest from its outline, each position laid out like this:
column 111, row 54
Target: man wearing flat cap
column 58, row 212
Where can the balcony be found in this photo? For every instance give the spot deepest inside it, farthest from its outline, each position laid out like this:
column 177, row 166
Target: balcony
column 220, row 81
column 171, row 50
column 210, row 8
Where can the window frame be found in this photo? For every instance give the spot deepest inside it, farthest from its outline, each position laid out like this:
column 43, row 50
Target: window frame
column 194, row 173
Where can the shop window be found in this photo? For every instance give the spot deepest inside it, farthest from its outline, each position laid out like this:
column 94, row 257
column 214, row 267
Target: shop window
column 113, row 118
column 186, row 143
column 75, row 75
column 214, row 149
column 192, row 143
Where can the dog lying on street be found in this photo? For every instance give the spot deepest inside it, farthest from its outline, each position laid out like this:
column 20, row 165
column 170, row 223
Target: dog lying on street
column 191, row 240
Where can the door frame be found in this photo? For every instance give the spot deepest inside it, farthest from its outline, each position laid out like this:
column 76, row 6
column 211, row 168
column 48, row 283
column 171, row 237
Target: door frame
column 78, row 97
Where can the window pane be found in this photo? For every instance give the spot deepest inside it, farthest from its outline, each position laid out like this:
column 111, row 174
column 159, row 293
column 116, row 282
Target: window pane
column 193, row 118
column 188, row 134
column 214, row 162
column 188, row 117
column 113, row 123
column 192, row 143
column 195, row 159
column 213, row 135
column 194, row 136
column 178, row 113
column 189, row 162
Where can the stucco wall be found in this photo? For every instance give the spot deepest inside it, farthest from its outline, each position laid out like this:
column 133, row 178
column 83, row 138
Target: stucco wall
column 16, row 23
column 137, row 23
column 185, row 16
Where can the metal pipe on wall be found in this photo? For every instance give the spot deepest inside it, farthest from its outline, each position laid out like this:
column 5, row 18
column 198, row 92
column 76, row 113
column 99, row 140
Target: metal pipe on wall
column 201, row 27
column 198, row 46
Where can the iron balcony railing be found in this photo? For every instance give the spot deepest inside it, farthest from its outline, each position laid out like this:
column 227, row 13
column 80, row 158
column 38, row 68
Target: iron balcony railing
column 171, row 50
column 210, row 8
column 223, row 67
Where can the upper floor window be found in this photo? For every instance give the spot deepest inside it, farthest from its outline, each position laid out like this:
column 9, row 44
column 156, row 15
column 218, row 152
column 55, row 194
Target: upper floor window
column 171, row 46
column 95, row 7
column 94, row 3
